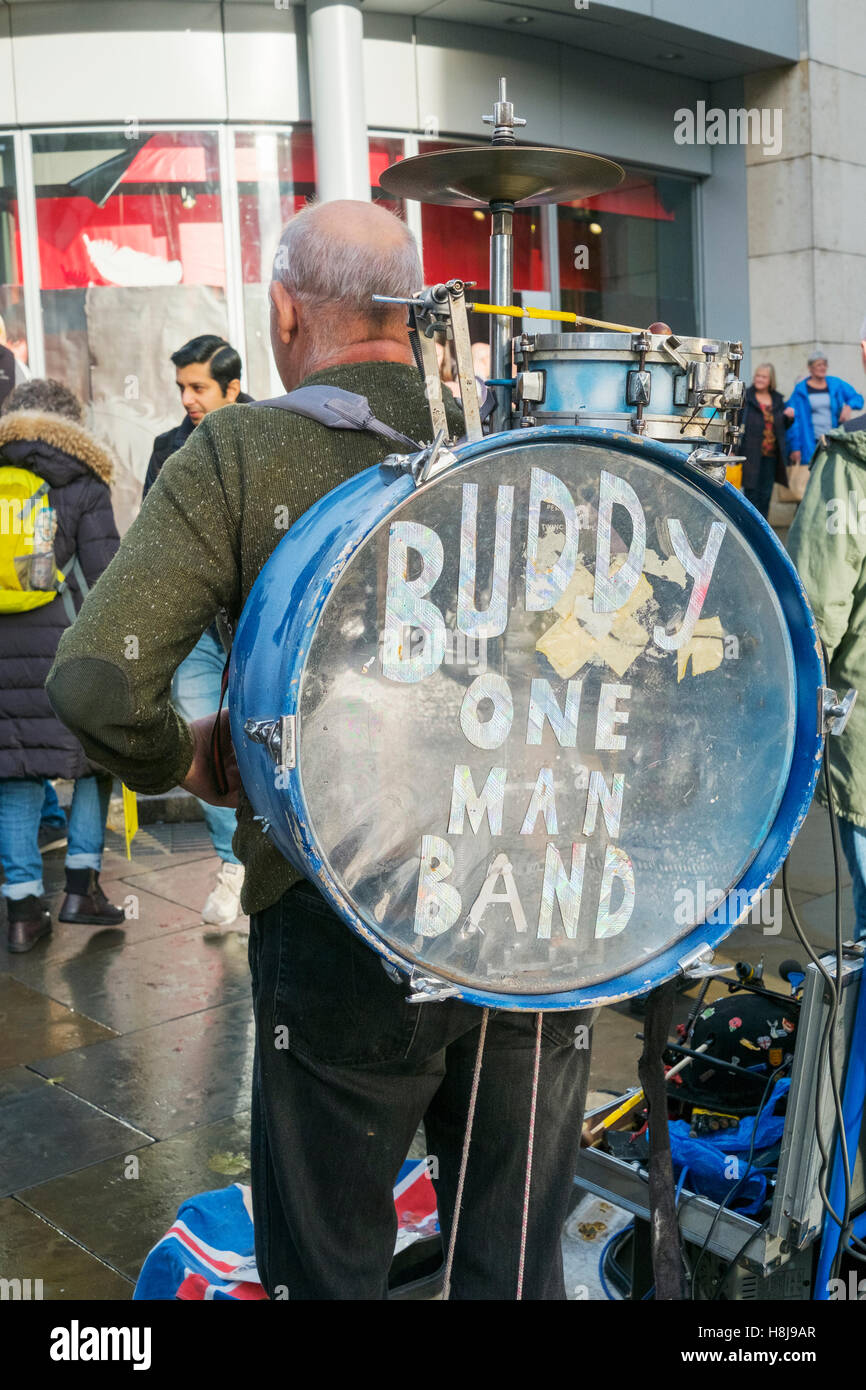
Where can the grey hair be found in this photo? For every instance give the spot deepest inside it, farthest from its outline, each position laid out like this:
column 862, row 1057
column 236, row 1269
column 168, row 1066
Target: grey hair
column 47, row 395
column 327, row 272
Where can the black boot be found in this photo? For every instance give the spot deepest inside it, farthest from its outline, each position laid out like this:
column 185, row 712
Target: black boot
column 85, row 903
column 29, row 921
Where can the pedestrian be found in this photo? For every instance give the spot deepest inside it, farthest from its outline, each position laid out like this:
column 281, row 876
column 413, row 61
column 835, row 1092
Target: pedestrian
column 208, row 372
column 54, row 478
column 820, row 403
column 12, row 371
column 335, row 1110
column 827, row 543
column 765, row 423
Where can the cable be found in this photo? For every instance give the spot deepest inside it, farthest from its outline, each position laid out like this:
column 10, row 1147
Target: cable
column 617, row 1235
column 844, row 1222
column 732, row 1263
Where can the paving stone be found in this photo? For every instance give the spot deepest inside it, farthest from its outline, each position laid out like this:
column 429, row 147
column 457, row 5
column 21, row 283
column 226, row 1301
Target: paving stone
column 31, row 1249
column 150, row 854
column 188, row 884
column 32, row 1025
column 45, row 1131
column 157, row 917
column 152, row 981
column 172, row 1077
column 119, row 1219
column 811, row 859
column 819, row 919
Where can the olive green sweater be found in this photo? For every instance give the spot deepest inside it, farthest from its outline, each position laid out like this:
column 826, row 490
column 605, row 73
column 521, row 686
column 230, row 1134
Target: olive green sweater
column 209, row 523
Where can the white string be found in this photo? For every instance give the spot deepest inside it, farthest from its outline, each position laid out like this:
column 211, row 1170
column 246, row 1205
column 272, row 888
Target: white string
column 464, row 1158
column 530, row 1146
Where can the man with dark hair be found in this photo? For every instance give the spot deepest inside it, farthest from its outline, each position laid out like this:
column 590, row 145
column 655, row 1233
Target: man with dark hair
column 208, row 374
column 12, row 373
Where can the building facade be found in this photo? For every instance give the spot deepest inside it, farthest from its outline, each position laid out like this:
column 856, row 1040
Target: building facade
column 151, row 150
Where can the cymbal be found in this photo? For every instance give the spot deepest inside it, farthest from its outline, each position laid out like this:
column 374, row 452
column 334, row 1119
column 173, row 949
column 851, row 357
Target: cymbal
column 472, row 176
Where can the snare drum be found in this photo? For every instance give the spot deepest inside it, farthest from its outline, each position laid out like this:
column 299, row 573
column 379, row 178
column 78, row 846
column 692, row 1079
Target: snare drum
column 541, row 729
column 681, row 391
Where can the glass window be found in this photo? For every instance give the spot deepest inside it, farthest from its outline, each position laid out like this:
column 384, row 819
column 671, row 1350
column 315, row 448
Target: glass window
column 13, row 332
column 628, row 255
column 132, row 260
column 275, row 172
column 276, row 175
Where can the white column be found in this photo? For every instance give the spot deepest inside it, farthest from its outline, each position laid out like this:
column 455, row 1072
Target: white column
column 334, row 46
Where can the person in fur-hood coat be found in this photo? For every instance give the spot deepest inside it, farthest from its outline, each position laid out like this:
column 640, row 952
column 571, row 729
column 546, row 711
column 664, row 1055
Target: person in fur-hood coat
column 42, row 432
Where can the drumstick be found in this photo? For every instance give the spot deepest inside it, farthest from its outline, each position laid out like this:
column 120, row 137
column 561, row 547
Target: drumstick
column 638, row 1096
column 520, row 312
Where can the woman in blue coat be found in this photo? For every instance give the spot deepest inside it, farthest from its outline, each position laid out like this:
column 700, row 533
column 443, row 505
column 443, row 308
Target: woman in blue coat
column 821, row 403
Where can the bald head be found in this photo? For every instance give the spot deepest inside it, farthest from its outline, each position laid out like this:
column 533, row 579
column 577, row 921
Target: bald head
column 331, row 260
column 338, row 255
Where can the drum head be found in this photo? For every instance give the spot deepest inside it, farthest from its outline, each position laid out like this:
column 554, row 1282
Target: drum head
column 547, row 716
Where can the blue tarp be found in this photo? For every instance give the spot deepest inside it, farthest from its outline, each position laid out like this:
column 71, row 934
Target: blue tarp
column 717, row 1162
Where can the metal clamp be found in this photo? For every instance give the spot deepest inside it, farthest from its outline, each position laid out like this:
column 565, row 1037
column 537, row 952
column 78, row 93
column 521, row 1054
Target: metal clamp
column 670, row 346
column 711, row 463
column 427, row 990
column 278, row 736
column 431, row 461
column 833, row 713
column 698, row 964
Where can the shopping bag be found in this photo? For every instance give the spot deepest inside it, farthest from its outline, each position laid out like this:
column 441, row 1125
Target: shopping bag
column 798, row 479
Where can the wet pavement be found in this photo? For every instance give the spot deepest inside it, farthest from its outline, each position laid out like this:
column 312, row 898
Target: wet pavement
column 125, row 1057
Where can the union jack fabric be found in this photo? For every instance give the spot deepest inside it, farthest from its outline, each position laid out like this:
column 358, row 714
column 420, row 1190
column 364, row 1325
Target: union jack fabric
column 209, row 1251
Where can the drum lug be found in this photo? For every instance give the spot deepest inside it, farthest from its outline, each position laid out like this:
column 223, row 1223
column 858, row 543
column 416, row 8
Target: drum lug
column 427, row 990
column 638, row 390
column 698, row 964
column 734, row 394
column 833, row 713
column 278, row 736
column 531, row 386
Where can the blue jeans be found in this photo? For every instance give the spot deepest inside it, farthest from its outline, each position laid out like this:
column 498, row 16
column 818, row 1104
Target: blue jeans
column 53, row 814
column 853, row 839
column 21, row 800
column 195, row 693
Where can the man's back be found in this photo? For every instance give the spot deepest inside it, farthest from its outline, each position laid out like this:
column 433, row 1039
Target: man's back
column 218, row 509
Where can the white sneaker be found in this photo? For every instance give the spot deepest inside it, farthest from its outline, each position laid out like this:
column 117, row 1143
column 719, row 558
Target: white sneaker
column 224, row 902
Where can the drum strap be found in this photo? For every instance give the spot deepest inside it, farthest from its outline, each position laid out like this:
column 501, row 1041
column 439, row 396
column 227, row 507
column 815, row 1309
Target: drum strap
column 667, row 1257
column 338, row 410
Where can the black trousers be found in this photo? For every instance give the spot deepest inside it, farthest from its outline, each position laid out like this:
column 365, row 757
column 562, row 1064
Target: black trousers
column 345, row 1070
column 760, row 494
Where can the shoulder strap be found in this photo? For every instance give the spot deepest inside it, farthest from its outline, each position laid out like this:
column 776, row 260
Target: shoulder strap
column 337, row 409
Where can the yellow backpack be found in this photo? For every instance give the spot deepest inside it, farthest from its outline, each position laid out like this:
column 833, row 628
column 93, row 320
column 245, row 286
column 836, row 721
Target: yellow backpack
column 25, row 513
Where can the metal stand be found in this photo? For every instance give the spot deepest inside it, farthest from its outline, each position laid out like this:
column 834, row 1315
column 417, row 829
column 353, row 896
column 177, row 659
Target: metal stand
column 503, row 121
column 853, row 1102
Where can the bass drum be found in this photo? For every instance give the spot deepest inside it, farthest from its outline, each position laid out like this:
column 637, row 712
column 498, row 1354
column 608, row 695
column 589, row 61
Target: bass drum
column 541, row 729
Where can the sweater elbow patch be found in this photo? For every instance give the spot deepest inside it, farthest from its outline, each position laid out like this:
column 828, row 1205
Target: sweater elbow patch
column 90, row 694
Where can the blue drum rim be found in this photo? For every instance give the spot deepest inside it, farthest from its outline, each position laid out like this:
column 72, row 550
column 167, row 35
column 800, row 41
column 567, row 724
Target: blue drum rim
column 323, row 551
